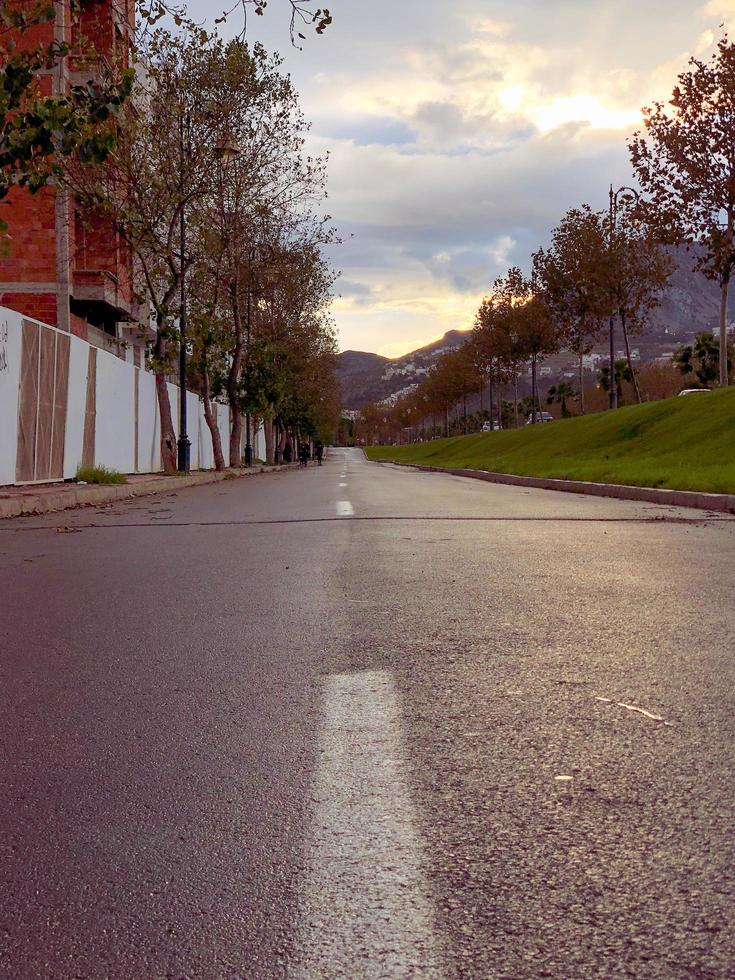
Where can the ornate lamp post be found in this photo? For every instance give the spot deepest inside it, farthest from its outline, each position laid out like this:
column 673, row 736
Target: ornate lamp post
column 627, row 195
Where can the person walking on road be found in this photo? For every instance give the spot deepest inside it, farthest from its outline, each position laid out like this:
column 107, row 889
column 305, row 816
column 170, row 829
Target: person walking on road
column 304, row 454
column 319, row 450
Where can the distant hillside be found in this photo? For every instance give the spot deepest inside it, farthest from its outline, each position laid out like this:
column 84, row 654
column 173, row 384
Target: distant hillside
column 369, row 377
column 689, row 305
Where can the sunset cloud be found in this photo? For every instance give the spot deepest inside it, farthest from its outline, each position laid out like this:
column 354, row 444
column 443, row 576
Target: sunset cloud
column 457, row 139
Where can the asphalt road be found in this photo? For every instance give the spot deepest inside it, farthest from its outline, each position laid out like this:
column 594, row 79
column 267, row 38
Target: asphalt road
column 315, row 725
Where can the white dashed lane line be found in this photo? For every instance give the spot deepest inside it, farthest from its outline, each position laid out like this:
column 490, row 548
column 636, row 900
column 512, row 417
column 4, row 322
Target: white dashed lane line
column 366, row 908
column 345, row 508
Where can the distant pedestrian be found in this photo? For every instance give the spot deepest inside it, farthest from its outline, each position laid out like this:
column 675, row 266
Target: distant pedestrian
column 319, row 450
column 304, row 454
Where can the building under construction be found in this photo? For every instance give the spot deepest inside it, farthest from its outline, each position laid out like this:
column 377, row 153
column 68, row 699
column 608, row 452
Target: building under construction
column 66, row 270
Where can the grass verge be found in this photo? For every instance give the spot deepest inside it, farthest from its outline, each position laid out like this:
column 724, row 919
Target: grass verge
column 678, row 444
column 99, row 474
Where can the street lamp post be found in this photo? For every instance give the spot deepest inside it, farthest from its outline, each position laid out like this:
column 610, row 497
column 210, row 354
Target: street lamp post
column 183, row 444
column 630, row 195
column 248, row 327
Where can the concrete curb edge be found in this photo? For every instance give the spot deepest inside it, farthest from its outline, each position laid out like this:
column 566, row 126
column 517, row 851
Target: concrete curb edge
column 720, row 502
column 51, row 502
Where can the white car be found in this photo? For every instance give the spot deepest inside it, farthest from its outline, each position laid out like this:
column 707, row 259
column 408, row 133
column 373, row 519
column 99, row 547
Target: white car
column 540, row 417
column 491, row 427
column 692, row 391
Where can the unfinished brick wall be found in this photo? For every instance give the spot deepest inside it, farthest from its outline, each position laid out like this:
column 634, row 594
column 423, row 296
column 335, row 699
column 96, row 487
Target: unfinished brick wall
column 39, row 229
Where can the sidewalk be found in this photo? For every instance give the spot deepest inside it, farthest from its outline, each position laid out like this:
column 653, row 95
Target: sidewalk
column 48, row 497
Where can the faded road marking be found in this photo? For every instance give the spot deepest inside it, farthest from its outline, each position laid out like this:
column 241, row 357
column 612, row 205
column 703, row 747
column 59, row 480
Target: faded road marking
column 366, row 909
column 345, row 508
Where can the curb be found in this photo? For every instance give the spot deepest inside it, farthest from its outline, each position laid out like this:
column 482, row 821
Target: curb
column 720, row 502
column 50, row 501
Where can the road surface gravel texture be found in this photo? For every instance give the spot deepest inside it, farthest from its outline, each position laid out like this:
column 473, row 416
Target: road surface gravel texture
column 363, row 721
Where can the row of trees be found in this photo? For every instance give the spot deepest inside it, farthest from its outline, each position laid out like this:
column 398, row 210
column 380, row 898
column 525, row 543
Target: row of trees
column 605, row 270
column 590, row 273
column 202, row 173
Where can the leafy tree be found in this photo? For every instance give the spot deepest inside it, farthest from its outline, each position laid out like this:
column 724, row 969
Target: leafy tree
column 254, row 234
column 685, row 163
column 571, row 274
column 637, row 272
column 492, row 346
column 530, row 322
column 171, row 126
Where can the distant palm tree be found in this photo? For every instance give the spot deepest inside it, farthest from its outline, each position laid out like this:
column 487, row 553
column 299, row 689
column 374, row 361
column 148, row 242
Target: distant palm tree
column 702, row 358
column 559, row 394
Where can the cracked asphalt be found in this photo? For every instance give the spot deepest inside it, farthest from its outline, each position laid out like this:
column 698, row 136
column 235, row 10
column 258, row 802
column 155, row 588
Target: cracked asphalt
column 314, row 725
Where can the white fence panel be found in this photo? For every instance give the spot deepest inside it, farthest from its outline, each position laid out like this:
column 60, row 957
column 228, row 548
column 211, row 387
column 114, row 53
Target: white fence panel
column 74, row 441
column 10, row 348
column 149, row 430
column 114, row 420
column 115, row 429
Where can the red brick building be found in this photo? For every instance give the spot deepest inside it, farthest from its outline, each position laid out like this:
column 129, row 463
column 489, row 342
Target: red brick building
column 71, row 272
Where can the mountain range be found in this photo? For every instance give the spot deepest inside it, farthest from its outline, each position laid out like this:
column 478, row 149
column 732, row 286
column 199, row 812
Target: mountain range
column 689, row 304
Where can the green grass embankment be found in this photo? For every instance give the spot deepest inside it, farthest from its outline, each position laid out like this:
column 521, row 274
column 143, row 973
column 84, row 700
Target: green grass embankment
column 679, row 444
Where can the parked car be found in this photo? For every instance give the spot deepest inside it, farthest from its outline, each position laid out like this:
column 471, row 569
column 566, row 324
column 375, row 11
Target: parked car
column 540, row 417
column 491, row 427
column 692, row 391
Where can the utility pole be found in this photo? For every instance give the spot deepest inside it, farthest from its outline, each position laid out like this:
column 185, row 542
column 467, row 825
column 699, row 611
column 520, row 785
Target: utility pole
column 630, row 196
column 184, row 444
column 613, row 393
column 248, row 443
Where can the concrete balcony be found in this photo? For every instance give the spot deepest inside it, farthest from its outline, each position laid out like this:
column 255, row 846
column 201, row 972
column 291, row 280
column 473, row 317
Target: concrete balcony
column 97, row 297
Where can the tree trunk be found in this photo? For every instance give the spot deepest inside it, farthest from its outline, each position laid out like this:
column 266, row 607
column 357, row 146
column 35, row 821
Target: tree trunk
column 492, row 403
column 724, row 289
column 236, row 436
column 270, row 442
column 169, row 459
column 581, row 384
column 515, row 402
column 464, row 399
column 446, row 422
column 168, row 436
column 534, row 391
column 211, row 420
column 624, row 325
column 233, row 382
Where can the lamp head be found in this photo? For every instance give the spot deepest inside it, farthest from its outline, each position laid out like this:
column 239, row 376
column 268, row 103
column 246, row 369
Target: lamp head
column 226, row 150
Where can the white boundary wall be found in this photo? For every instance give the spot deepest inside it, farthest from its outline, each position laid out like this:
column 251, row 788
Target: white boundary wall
column 114, row 442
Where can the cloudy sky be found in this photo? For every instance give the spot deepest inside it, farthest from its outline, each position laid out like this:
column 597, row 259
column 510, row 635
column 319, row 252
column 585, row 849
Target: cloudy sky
column 460, row 130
